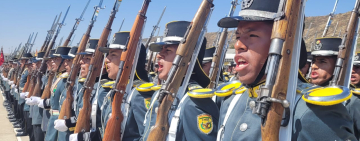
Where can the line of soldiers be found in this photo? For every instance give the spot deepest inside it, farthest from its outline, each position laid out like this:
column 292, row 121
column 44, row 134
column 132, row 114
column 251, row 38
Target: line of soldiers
column 193, row 116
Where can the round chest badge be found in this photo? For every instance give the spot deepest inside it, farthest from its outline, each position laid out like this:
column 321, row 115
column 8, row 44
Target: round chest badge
column 356, row 57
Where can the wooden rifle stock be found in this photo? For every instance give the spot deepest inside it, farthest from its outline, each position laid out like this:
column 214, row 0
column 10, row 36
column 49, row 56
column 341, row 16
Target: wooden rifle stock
column 345, row 51
column 47, row 90
column 65, row 112
column 160, row 130
column 32, row 84
column 284, row 29
column 113, row 126
column 217, row 57
column 26, row 86
column 83, row 122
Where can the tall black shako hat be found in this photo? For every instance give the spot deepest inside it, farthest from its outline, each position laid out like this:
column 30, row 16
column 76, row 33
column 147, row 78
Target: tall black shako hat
column 62, row 50
column 209, row 54
column 51, row 54
column 90, row 47
column 71, row 53
column 119, row 41
column 174, row 33
column 26, row 56
column 357, row 59
column 327, row 46
column 252, row 10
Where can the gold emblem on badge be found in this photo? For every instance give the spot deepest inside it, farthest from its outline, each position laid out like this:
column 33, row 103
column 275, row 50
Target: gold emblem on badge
column 205, row 123
column 147, row 102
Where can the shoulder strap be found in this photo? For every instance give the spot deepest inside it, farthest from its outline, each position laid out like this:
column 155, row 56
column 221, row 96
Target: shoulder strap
column 175, row 121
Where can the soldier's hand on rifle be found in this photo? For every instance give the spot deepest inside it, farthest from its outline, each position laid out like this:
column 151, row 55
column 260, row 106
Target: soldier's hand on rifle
column 41, row 103
column 34, row 100
column 22, row 95
column 60, row 125
column 80, row 137
column 11, row 82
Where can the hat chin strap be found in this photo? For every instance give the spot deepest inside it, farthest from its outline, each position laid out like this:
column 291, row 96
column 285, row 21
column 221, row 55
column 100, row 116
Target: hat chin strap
column 62, row 61
column 259, row 77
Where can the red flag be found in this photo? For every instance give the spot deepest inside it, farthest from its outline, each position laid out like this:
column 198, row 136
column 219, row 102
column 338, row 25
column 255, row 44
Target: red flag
column 2, row 57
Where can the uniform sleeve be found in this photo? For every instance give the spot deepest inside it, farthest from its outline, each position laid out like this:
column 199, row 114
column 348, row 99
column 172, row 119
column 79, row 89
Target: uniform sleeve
column 323, row 123
column 354, row 111
column 201, row 117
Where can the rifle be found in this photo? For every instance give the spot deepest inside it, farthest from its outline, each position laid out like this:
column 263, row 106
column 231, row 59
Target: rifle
column 331, row 15
column 50, row 33
column 27, row 50
column 272, row 98
column 67, row 41
column 43, row 66
column 148, row 41
column 83, row 122
column 217, row 62
column 72, row 40
column 66, row 109
column 60, row 41
column 343, row 68
column 113, row 127
column 184, row 53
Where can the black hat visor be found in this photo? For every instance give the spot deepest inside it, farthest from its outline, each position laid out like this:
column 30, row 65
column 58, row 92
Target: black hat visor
column 246, row 15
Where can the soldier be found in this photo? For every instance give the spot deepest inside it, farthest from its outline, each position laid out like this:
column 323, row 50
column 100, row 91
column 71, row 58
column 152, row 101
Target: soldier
column 134, row 106
column 355, row 75
column 191, row 118
column 57, row 87
column 324, row 60
column 21, row 101
column 97, row 95
column 253, row 35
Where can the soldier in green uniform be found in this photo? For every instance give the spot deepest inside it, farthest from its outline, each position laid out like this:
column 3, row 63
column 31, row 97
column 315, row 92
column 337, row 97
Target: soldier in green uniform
column 57, row 87
column 324, row 59
column 237, row 122
column 134, row 105
column 23, row 78
column 190, row 117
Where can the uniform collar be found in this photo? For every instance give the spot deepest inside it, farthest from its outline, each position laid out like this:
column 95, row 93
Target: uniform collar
column 255, row 90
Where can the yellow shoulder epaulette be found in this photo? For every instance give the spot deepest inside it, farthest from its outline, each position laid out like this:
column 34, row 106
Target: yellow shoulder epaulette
column 240, row 90
column 108, row 85
column 103, row 81
column 82, row 80
column 356, row 91
column 151, row 73
column 226, row 73
column 137, row 83
column 64, row 75
column 155, row 88
column 327, row 96
column 227, row 89
column 201, row 93
column 145, row 87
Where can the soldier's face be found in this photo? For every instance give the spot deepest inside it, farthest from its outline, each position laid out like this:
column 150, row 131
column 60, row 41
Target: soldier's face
column 85, row 63
column 68, row 64
column 322, row 69
column 165, row 58
column 251, row 49
column 206, row 67
column 33, row 66
column 112, row 63
column 48, row 64
column 23, row 61
column 56, row 62
column 355, row 75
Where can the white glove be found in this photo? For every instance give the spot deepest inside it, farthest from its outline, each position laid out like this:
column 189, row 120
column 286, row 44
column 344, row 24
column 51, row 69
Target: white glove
column 28, row 100
column 12, row 86
column 5, row 79
column 41, row 103
column 35, row 100
column 26, row 94
column 74, row 137
column 11, row 82
column 16, row 90
column 22, row 95
column 60, row 125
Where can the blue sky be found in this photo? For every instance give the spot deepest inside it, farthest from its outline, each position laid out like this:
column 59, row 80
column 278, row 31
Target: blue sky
column 20, row 18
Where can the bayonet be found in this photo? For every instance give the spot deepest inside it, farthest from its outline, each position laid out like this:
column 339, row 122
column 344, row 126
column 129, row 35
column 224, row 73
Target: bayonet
column 307, row 33
column 331, row 15
column 335, row 28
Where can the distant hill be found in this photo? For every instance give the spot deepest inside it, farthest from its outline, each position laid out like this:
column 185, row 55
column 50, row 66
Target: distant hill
column 316, row 29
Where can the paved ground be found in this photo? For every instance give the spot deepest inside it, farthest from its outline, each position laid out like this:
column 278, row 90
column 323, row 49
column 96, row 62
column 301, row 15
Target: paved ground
column 7, row 132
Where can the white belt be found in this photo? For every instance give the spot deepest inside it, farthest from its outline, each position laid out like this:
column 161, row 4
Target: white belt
column 175, row 121
column 220, row 134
